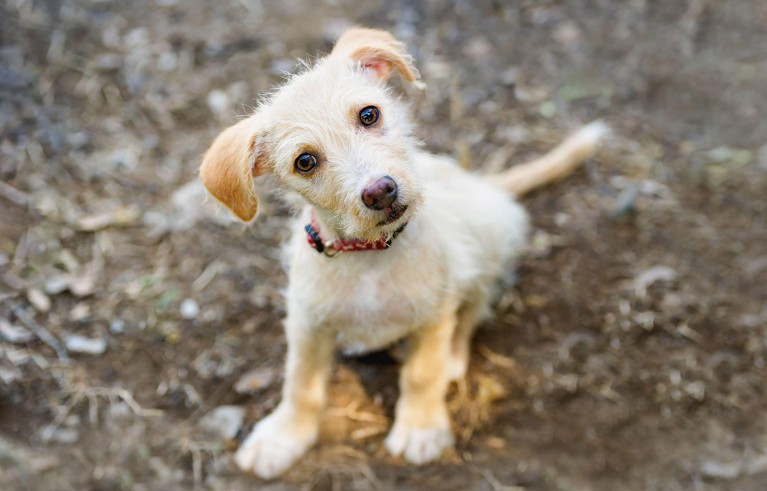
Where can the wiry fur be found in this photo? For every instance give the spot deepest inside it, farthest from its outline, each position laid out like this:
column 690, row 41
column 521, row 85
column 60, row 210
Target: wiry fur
column 432, row 286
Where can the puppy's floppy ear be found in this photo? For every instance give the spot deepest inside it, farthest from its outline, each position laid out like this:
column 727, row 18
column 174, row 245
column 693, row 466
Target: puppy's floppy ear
column 378, row 52
column 229, row 166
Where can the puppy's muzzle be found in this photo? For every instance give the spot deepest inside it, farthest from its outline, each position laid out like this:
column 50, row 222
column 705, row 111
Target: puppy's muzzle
column 381, row 194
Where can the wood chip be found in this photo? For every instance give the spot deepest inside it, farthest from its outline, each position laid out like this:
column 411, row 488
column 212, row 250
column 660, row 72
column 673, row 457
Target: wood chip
column 120, row 217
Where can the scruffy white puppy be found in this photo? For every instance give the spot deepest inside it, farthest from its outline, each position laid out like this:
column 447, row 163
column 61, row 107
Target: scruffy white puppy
column 393, row 242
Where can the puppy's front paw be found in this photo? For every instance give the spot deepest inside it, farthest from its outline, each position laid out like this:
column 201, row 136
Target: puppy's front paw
column 274, row 445
column 419, row 445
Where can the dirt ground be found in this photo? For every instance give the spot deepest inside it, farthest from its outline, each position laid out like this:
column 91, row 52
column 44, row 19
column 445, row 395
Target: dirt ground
column 630, row 355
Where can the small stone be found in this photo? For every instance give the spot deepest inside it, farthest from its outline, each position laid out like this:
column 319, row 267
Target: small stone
column 87, row 346
column 567, row 33
column 39, row 300
column 625, row 202
column 14, row 334
column 80, row 312
column 60, row 435
column 119, row 410
column 42, row 463
column 189, row 309
column 167, row 62
column 56, row 285
column 720, row 470
column 117, row 326
column 9, row 375
column 756, row 465
column 224, row 421
column 255, row 380
column 547, row 109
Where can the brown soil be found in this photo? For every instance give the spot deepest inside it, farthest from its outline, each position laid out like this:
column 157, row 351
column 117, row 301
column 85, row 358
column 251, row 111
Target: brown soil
column 629, row 355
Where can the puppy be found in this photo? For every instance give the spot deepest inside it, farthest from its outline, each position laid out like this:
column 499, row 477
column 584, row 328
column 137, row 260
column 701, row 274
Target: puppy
column 392, row 243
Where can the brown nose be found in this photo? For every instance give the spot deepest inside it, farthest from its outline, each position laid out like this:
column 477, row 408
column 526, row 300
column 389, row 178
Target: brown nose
column 381, row 194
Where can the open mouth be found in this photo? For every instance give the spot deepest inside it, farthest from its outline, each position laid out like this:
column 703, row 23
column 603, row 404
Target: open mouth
column 393, row 214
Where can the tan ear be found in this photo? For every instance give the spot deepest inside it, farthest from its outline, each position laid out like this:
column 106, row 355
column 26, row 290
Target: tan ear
column 377, row 51
column 228, row 168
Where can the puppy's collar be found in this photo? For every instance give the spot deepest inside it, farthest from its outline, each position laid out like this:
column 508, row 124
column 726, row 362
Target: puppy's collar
column 330, row 249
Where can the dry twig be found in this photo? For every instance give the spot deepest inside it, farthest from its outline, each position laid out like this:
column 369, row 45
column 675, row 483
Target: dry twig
column 496, row 484
column 42, row 333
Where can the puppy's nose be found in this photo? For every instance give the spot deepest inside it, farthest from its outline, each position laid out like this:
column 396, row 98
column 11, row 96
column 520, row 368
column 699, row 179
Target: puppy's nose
column 381, row 194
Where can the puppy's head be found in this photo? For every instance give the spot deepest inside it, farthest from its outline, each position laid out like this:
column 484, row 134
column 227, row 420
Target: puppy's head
column 335, row 134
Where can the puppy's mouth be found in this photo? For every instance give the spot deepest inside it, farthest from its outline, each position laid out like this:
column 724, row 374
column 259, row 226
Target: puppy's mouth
column 393, row 214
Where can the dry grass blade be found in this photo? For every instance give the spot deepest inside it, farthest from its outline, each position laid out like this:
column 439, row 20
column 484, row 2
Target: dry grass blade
column 351, row 412
column 496, row 359
column 197, row 449
column 79, row 392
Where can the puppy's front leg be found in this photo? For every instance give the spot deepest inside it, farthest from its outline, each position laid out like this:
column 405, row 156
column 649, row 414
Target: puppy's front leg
column 421, row 431
column 281, row 438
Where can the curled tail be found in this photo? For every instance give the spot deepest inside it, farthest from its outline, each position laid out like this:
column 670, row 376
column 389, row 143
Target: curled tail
column 556, row 164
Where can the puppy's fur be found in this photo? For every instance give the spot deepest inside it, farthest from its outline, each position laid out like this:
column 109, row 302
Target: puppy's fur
column 433, row 284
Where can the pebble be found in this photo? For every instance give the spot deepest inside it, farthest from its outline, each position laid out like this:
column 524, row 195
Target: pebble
column 87, row 346
column 14, row 334
column 189, row 309
column 756, row 465
column 43, row 463
column 720, row 470
column 255, row 380
column 79, row 312
column 60, row 435
column 39, row 300
column 224, row 421
column 625, row 203
column 117, row 326
column 56, row 285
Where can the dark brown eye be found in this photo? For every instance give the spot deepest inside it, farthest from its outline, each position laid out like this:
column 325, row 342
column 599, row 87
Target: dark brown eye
column 369, row 115
column 305, row 163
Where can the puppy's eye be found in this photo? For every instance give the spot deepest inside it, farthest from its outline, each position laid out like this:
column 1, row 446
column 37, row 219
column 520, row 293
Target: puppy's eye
column 369, row 115
column 305, row 163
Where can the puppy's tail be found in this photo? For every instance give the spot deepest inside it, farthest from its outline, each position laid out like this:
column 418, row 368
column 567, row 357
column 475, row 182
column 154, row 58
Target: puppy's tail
column 556, row 164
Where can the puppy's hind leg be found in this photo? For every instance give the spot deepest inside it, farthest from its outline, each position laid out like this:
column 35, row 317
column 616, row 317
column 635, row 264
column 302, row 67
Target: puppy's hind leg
column 421, row 430
column 281, row 438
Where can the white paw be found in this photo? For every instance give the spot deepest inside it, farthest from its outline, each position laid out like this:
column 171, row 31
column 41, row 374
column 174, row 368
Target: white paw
column 419, row 445
column 274, row 446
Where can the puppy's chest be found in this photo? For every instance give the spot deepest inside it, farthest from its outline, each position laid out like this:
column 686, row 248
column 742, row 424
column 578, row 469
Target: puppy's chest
column 371, row 306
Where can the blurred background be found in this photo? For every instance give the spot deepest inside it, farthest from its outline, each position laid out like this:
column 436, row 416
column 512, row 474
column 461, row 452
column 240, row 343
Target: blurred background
column 140, row 331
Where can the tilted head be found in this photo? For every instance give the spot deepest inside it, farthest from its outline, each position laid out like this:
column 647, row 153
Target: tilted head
column 335, row 134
